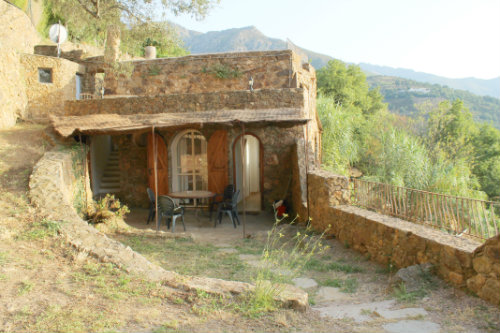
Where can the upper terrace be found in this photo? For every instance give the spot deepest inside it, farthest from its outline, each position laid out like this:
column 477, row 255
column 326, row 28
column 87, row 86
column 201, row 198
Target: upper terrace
column 210, row 73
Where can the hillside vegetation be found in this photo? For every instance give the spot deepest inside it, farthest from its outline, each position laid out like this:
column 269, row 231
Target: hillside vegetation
column 444, row 150
column 408, row 97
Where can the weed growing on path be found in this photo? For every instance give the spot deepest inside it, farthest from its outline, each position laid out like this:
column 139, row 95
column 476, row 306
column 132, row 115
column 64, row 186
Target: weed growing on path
column 283, row 259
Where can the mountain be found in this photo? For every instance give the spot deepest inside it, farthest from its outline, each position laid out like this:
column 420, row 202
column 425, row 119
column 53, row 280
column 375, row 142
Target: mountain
column 240, row 40
column 402, row 96
column 251, row 39
column 477, row 86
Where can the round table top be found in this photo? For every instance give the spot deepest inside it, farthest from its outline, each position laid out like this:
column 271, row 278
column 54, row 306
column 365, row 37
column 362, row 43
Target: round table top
column 191, row 194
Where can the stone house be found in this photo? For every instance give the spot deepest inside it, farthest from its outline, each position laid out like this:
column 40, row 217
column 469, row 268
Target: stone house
column 199, row 108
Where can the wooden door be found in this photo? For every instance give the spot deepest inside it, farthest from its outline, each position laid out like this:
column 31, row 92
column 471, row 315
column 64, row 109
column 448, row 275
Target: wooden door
column 217, row 151
column 161, row 167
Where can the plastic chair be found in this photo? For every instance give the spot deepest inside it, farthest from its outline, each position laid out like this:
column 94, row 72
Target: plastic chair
column 226, row 196
column 167, row 208
column 152, row 205
column 230, row 208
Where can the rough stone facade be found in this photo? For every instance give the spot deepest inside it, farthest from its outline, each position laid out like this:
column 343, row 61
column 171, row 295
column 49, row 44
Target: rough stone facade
column 204, row 73
column 485, row 280
column 207, row 83
column 277, row 144
column 229, row 100
column 392, row 241
column 17, row 35
column 45, row 99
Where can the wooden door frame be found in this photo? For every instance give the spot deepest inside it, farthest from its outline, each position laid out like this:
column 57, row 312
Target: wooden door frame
column 147, row 157
column 261, row 165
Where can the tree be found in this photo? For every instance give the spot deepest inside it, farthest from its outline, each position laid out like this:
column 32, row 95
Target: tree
column 450, row 130
column 348, row 87
column 87, row 20
column 487, row 160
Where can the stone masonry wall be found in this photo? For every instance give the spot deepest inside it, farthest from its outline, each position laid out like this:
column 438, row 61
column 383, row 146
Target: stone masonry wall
column 229, row 100
column 277, row 143
column 17, row 35
column 202, row 73
column 389, row 240
column 45, row 99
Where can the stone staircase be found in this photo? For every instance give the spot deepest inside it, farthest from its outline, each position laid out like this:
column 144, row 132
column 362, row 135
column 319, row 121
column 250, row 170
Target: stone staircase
column 110, row 181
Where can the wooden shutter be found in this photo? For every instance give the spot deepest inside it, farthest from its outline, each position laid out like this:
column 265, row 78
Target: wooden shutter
column 217, row 158
column 161, row 167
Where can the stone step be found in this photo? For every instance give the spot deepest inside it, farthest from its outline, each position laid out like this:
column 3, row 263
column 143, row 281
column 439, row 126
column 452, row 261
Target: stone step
column 110, row 179
column 110, row 184
column 109, row 190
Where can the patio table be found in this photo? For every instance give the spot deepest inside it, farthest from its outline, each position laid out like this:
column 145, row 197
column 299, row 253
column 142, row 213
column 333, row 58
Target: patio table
column 195, row 195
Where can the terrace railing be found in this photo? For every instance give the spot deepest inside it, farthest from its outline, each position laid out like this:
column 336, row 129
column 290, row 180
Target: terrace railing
column 456, row 215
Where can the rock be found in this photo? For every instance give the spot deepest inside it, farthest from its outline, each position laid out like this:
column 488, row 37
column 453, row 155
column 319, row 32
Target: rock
column 305, row 283
column 412, row 326
column 476, row 283
column 481, row 264
column 411, row 276
column 456, row 279
column 491, row 291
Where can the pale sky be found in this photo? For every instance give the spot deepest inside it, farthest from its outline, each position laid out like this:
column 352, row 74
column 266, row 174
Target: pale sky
column 451, row 38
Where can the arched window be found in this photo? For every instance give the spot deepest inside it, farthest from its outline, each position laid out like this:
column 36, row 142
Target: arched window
column 189, row 167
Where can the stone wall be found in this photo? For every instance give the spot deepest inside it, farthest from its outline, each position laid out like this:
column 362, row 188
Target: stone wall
column 485, row 280
column 228, row 100
column 202, row 73
column 392, row 241
column 277, row 144
column 45, row 99
column 17, row 35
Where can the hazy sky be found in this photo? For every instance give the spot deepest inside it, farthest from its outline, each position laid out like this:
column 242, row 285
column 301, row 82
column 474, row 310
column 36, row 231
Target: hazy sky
column 452, row 38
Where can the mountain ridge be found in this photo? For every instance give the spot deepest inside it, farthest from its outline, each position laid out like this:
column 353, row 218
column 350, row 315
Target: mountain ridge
column 249, row 38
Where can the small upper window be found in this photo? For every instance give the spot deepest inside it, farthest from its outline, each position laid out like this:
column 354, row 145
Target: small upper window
column 45, row 75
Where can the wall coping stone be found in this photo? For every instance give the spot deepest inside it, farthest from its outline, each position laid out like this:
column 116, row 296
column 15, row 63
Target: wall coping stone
column 463, row 244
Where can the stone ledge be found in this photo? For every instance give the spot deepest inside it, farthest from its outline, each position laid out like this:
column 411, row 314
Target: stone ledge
column 463, row 244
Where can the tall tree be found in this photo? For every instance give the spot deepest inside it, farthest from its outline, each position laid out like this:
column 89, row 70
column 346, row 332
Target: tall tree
column 87, row 20
column 487, row 160
column 348, row 87
column 450, row 130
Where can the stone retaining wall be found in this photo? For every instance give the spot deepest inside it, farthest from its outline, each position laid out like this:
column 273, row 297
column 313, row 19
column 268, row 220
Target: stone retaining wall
column 229, row 100
column 202, row 73
column 391, row 241
column 51, row 185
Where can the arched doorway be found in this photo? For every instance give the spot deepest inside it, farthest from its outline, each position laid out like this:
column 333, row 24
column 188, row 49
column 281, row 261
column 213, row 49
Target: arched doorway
column 247, row 171
column 189, row 162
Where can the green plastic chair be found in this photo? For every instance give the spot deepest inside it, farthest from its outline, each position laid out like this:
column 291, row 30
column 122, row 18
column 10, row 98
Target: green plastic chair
column 168, row 209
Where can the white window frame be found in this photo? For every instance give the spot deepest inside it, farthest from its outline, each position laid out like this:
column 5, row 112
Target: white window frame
column 175, row 161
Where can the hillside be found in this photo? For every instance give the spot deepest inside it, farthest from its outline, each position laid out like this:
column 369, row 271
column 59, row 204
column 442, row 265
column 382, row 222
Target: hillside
column 476, row 86
column 402, row 95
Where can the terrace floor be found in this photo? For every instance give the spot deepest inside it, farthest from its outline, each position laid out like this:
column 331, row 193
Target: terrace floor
column 347, row 292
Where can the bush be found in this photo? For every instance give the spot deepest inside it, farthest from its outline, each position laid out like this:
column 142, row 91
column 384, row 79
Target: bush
column 107, row 209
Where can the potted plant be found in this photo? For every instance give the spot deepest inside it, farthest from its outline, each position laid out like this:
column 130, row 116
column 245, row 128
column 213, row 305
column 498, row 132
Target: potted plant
column 150, row 48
